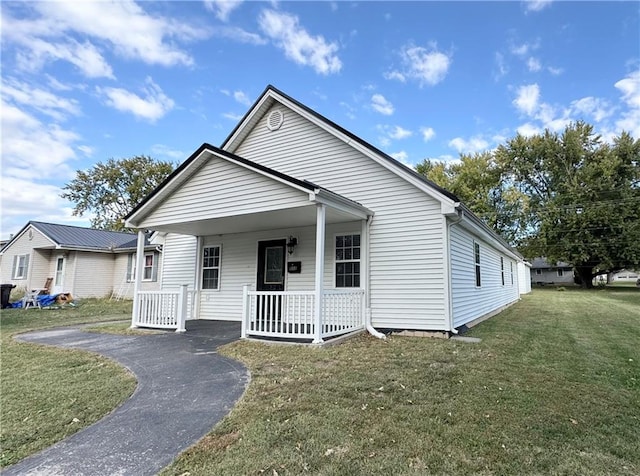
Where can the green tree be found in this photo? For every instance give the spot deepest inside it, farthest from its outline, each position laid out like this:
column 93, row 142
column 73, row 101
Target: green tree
column 585, row 195
column 477, row 180
column 110, row 190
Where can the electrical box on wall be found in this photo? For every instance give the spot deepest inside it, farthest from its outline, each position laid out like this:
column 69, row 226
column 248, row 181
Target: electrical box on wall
column 294, row 267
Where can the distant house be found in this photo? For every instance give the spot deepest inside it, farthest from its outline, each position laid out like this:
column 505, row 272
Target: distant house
column 82, row 261
column 625, row 275
column 543, row 272
column 301, row 230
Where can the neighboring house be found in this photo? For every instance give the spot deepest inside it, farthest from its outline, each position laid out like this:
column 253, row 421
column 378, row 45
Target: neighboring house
column 543, row 272
column 300, row 229
column 625, row 275
column 82, row 261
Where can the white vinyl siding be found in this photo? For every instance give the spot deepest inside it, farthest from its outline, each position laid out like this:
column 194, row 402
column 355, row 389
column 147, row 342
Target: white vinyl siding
column 237, row 191
column 468, row 301
column 38, row 269
column 179, row 261
column 407, row 261
column 93, row 274
column 524, row 278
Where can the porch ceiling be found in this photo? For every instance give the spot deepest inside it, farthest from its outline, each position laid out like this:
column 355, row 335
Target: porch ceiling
column 271, row 220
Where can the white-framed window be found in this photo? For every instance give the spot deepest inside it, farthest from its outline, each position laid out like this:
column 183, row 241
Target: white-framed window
column 347, row 255
column 538, row 272
column 560, row 272
column 502, row 269
column 511, row 271
column 20, row 266
column 149, row 267
column 476, row 254
column 211, row 267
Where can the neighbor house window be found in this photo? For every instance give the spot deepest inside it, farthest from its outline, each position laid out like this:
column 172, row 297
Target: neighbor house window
column 538, row 272
column 20, row 266
column 149, row 267
column 347, row 261
column 476, row 252
column 211, row 267
column 560, row 273
column 502, row 269
column 147, row 271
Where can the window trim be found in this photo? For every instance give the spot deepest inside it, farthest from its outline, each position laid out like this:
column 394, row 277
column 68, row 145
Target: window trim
column 477, row 264
column 202, row 267
column 560, row 273
column 336, row 261
column 511, row 271
column 145, row 267
column 502, row 269
column 25, row 266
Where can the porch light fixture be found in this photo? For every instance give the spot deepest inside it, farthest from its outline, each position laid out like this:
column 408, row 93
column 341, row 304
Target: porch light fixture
column 292, row 243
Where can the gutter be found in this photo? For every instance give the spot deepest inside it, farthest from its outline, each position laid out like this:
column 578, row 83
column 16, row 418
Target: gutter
column 367, row 280
column 453, row 222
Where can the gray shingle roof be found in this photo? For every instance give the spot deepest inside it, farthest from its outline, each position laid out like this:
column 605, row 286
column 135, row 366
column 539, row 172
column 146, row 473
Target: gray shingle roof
column 69, row 236
column 542, row 263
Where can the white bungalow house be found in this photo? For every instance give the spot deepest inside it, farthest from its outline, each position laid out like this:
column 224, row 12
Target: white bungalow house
column 82, row 261
column 299, row 229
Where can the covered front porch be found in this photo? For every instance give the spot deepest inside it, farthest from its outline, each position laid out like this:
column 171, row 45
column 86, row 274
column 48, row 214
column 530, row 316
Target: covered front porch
column 285, row 257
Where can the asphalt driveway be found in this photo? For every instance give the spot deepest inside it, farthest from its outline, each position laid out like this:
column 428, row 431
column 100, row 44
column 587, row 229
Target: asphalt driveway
column 184, row 389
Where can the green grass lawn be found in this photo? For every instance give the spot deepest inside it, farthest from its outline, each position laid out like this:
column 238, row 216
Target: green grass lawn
column 48, row 393
column 553, row 388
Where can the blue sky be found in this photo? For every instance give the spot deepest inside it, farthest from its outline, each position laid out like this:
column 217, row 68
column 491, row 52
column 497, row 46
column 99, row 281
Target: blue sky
column 87, row 81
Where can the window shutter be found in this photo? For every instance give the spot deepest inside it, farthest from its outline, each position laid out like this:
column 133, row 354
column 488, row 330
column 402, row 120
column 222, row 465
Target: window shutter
column 15, row 264
column 26, row 266
column 154, row 269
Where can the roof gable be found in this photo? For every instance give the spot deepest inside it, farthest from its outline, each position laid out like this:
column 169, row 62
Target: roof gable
column 272, row 95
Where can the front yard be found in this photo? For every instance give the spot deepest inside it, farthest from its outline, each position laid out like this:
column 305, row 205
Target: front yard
column 553, row 388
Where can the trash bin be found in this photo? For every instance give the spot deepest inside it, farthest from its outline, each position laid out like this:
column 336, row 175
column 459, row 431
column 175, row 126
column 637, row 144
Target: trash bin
column 6, row 292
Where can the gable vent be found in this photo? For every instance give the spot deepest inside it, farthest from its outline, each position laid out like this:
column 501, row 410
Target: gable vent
column 275, row 120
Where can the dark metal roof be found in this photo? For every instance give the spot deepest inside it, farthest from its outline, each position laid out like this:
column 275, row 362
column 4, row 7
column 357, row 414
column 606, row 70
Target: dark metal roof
column 542, row 263
column 68, row 236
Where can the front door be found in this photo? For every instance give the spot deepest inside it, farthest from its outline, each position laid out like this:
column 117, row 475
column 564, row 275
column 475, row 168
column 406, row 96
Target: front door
column 270, row 277
column 58, row 280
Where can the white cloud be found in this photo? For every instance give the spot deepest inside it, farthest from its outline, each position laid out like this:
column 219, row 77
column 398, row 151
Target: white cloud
column 534, row 64
column 238, row 34
column 233, row 116
column 425, row 65
column 86, row 150
column 630, row 89
column 398, row 132
column 154, row 105
column 595, row 108
column 161, row 150
column 502, row 68
column 527, row 99
column 380, row 104
column 555, row 71
column 469, row 146
column 242, row 98
column 47, row 34
column 401, row 156
column 536, row 5
column 528, row 130
column 28, row 144
column 524, row 49
column 222, row 8
column 427, row 133
column 38, row 99
column 297, row 44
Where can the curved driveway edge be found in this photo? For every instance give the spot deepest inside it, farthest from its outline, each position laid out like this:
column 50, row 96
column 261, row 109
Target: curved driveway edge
column 184, row 389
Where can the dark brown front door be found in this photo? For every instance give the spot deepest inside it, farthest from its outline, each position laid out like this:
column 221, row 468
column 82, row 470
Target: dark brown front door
column 271, row 265
column 270, row 277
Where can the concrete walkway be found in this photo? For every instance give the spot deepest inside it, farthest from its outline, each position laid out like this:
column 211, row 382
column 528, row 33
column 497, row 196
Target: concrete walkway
column 184, row 389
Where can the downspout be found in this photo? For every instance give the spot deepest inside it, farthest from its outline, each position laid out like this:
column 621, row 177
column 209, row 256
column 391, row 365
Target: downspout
column 367, row 280
column 452, row 222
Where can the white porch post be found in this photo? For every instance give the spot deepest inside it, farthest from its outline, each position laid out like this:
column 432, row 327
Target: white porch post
column 182, row 308
column 197, row 281
column 246, row 309
column 137, row 278
column 320, row 232
column 364, row 268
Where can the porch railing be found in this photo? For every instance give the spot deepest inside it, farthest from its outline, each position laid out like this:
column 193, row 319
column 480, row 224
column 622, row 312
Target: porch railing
column 165, row 309
column 291, row 314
